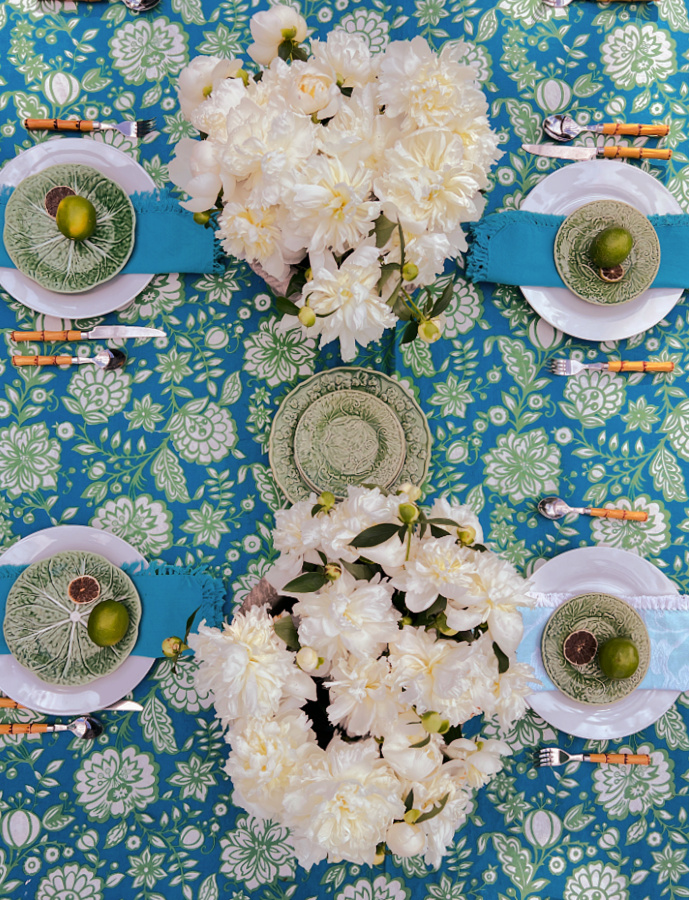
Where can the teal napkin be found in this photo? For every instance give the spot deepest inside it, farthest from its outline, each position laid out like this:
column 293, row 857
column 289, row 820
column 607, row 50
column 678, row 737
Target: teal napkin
column 167, row 238
column 169, row 595
column 517, row 247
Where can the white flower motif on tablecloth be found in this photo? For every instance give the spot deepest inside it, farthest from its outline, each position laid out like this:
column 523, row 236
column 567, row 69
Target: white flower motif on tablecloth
column 594, row 397
column 279, row 354
column 114, row 784
column 71, row 882
column 179, row 686
column 194, row 776
column 634, row 790
column 369, row 25
column 645, row 538
column 203, row 432
column 144, row 522
column 381, row 888
column 523, row 465
column 257, row 852
column 597, row 881
column 97, row 394
column 148, row 50
column 164, row 293
column 29, row 459
column 638, row 55
column 464, row 310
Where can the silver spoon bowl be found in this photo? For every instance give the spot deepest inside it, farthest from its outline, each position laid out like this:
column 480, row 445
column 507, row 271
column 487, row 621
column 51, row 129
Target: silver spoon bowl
column 140, row 6
column 104, row 359
column 564, row 128
column 554, row 508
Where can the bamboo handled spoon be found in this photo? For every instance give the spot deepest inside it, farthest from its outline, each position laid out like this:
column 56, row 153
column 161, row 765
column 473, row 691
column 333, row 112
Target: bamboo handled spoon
column 85, row 727
column 554, row 508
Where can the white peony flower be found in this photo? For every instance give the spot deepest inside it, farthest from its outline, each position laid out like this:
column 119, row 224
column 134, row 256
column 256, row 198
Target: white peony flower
column 510, row 692
column 254, row 232
column 347, row 299
column 247, row 667
column 358, row 133
column 362, row 508
column 196, row 170
column 349, row 56
column 436, row 566
column 412, row 763
column 200, row 77
column 312, row 89
column 264, row 756
column 476, row 762
column 429, row 793
column 210, row 117
column 344, row 811
column 405, row 840
column 361, row 695
column 463, row 515
column 270, row 28
column 347, row 616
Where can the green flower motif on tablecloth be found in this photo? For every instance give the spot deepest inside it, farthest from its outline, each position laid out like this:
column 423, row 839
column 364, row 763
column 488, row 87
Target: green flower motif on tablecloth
column 452, row 397
column 148, row 50
column 29, row 459
column 430, row 12
column 207, row 524
column 593, row 397
column 144, row 522
column 634, row 790
column 111, row 783
column 597, row 881
column 173, row 366
column 381, row 888
column 641, row 416
column 638, row 55
column 219, row 288
column 71, row 882
column 179, row 687
column 279, row 353
column 645, row 538
column 257, row 852
column 523, row 465
column 529, row 11
column 194, row 777
column 464, row 310
column 146, row 869
column 203, row 432
column 97, row 394
column 164, row 293
column 670, row 865
column 369, row 25
column 145, row 414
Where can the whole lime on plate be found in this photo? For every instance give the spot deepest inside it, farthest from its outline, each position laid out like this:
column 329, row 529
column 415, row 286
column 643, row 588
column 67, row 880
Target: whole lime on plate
column 611, row 246
column 108, row 623
column 618, row 658
column 76, row 217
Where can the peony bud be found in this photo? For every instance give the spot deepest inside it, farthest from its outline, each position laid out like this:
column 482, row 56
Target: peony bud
column 202, row 218
column 404, row 839
column 333, row 571
column 308, row 660
column 380, row 855
column 411, row 490
column 429, row 331
column 173, row 646
column 442, row 626
column 434, row 723
column 327, row 500
column 408, row 513
column 466, row 534
column 307, row 316
column 409, row 271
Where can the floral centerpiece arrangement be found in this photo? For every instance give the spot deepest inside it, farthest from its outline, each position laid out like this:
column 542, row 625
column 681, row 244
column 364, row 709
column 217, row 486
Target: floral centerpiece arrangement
column 344, row 701
column 342, row 176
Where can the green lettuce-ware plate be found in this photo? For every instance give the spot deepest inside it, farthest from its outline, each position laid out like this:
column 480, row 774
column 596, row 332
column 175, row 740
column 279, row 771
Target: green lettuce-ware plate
column 573, row 262
column 46, row 631
column 41, row 252
column 605, row 617
column 348, row 426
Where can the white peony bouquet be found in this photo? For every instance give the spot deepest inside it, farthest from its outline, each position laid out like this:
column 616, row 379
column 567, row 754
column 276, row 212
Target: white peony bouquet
column 343, row 177
column 344, row 701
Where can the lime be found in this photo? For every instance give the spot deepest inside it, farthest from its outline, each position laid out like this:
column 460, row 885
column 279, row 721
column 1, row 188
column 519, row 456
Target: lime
column 108, row 623
column 618, row 658
column 76, row 217
column 610, row 247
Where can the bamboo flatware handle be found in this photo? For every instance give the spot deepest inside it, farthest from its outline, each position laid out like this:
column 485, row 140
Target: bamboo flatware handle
column 619, row 365
column 45, row 336
column 629, row 759
column 58, row 124
column 635, row 153
column 631, row 515
column 636, row 130
column 8, row 703
column 42, row 360
column 25, row 728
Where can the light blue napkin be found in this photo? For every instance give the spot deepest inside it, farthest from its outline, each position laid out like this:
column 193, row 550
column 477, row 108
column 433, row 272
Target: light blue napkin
column 167, row 239
column 517, row 247
column 169, row 595
column 668, row 630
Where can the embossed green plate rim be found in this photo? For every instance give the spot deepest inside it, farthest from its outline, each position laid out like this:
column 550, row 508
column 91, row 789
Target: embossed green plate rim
column 412, row 420
column 606, row 616
column 574, row 266
column 46, row 631
column 41, row 252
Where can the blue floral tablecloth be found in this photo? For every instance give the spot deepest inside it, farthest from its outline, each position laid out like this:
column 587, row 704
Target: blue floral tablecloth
column 170, row 454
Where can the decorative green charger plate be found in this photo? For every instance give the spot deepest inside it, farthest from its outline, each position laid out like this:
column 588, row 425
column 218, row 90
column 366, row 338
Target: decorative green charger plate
column 605, row 617
column 41, row 252
column 348, row 426
column 46, row 631
column 574, row 265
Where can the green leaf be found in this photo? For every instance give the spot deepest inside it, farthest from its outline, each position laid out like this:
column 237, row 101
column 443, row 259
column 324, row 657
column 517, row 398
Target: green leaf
column 423, row 743
column 443, row 301
column 286, row 629
column 190, row 622
column 296, row 282
column 401, row 236
column 409, row 800
column 360, row 571
column 437, row 809
column 383, row 228
column 503, row 659
column 286, row 307
column 376, row 534
column 306, row 583
column 410, row 332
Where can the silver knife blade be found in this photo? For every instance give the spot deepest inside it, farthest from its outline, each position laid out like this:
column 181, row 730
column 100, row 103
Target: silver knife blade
column 124, row 706
column 121, row 331
column 558, row 152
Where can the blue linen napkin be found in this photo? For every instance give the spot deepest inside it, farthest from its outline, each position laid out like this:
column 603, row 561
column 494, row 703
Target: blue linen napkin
column 169, row 595
column 668, row 630
column 517, row 247
column 167, row 239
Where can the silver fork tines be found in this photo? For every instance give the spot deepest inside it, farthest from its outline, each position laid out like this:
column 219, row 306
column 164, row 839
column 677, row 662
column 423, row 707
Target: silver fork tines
column 553, row 756
column 572, row 366
column 137, row 129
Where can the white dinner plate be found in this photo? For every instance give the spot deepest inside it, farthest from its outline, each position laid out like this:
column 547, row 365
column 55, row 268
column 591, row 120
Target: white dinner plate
column 22, row 685
column 609, row 571
column 560, row 194
column 104, row 298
